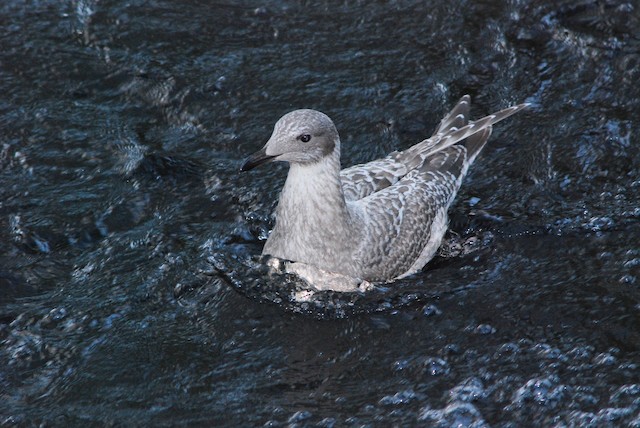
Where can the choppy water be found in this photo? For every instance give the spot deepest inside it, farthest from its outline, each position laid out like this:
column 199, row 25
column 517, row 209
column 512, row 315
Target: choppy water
column 129, row 289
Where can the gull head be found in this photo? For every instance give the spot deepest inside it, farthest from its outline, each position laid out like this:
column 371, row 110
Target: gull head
column 301, row 137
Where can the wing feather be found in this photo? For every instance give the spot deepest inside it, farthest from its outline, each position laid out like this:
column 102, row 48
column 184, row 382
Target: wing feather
column 362, row 180
column 405, row 213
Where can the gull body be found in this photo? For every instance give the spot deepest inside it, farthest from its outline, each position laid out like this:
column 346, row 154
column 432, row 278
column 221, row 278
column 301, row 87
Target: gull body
column 377, row 221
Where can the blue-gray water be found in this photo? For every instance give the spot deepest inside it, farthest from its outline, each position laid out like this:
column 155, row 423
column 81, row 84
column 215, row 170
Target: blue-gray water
column 128, row 291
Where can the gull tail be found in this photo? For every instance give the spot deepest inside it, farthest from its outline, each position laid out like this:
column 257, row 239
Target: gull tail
column 455, row 127
column 445, row 140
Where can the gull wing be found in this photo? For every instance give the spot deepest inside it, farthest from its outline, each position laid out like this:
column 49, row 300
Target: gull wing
column 405, row 222
column 362, row 180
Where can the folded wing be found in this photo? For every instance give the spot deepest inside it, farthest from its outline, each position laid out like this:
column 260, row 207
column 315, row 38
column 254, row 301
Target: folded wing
column 362, row 180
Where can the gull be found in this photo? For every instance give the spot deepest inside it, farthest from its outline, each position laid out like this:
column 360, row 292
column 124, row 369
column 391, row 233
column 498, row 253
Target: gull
column 374, row 222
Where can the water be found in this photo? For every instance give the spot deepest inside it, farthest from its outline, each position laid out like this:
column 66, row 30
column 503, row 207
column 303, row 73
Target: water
column 131, row 293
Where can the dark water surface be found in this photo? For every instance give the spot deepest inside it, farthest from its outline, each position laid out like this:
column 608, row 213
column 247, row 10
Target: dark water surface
column 128, row 291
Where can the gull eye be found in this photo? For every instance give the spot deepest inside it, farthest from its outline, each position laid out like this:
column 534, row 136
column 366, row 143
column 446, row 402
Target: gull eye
column 305, row 138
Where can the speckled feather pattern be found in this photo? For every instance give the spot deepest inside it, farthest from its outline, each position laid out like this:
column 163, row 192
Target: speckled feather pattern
column 377, row 221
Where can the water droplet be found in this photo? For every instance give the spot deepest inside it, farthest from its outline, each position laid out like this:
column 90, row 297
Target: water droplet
column 436, row 366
